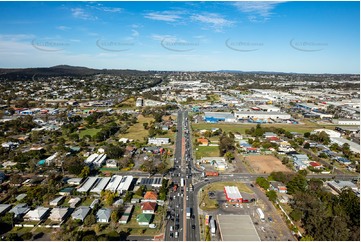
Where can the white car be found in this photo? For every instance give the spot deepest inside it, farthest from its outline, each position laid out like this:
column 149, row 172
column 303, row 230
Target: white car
column 237, row 205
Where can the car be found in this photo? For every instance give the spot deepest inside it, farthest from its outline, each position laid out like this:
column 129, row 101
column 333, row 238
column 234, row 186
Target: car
column 226, row 205
column 171, row 228
column 176, row 235
column 193, row 226
column 251, row 185
column 187, row 197
column 270, row 219
column 234, row 205
column 237, row 205
column 171, row 235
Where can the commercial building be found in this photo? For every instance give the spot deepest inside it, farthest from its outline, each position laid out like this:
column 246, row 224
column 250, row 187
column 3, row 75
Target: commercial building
column 346, row 121
column 232, row 194
column 158, row 141
column 215, row 117
column 101, row 183
column 88, row 184
column 339, row 185
column 237, row 228
column 354, row 147
column 125, row 184
column 155, row 182
column 261, row 116
column 114, row 183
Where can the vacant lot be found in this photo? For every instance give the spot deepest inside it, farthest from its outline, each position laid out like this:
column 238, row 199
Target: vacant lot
column 207, row 151
column 90, row 132
column 137, row 131
column 266, row 164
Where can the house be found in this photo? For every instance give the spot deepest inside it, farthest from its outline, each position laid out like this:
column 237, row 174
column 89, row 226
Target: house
column 123, row 140
column 150, row 196
column 66, row 191
column 220, row 165
column 38, row 214
column 80, row 213
column 148, row 207
column 339, row 185
column 126, row 215
column 154, row 182
column 144, row 219
column 111, row 163
column 316, row 165
column 278, row 187
column 19, row 210
column 103, row 215
column 75, row 181
column 203, row 141
column 4, row 208
column 158, row 141
column 252, row 150
column 59, row 214
column 300, row 161
column 57, row 201
column 269, row 135
column 74, row 201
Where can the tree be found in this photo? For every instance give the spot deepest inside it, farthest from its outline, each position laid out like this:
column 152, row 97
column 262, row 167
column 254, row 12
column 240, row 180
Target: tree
column 140, row 191
column 128, row 196
column 262, row 182
column 145, row 125
column 307, row 238
column 85, row 172
column 272, row 195
column 298, row 183
column 114, row 151
column 108, row 197
column 226, row 143
column 306, row 145
column 229, row 156
column 307, row 134
column 90, row 220
column 73, row 165
column 296, row 215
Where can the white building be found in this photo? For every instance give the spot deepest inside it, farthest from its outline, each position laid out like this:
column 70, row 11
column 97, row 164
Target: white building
column 139, row 102
column 125, row 184
column 331, row 133
column 354, row 147
column 158, row 141
column 114, row 183
column 346, row 122
column 88, row 184
column 100, row 184
column 269, row 108
column 261, row 115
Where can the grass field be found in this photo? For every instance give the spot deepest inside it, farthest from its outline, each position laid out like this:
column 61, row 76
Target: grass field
column 241, row 128
column 218, row 186
column 137, row 131
column 90, row 132
column 207, row 151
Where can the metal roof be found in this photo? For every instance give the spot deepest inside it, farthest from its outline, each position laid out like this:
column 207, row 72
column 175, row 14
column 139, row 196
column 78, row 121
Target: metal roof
column 237, row 228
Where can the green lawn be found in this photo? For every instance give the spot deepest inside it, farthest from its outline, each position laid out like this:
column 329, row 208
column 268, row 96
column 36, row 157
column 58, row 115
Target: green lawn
column 207, row 151
column 90, row 132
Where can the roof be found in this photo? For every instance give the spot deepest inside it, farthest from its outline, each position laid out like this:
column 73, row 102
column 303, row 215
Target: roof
column 237, row 228
column 100, row 184
column 148, row 206
column 37, row 212
column 57, row 200
column 114, row 183
column 58, row 213
column 144, row 217
column 314, row 163
column 19, row 209
column 4, row 207
column 150, row 195
column 89, row 182
column 156, row 181
column 232, row 192
column 202, row 140
column 125, row 183
column 104, row 214
column 80, row 213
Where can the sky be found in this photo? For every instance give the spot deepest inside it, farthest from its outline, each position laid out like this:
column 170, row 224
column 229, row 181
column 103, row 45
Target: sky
column 301, row 37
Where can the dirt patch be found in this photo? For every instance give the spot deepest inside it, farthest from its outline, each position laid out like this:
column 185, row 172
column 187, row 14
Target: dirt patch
column 266, row 164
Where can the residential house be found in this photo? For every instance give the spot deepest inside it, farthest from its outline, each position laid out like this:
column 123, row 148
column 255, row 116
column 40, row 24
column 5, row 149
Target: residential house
column 74, row 201
column 103, row 215
column 74, row 181
column 111, row 163
column 38, row 214
column 19, row 210
column 278, row 187
column 316, row 165
column 66, row 191
column 59, row 214
column 57, row 201
column 80, row 213
column 150, row 196
column 144, row 219
column 269, row 135
column 300, row 161
column 148, row 207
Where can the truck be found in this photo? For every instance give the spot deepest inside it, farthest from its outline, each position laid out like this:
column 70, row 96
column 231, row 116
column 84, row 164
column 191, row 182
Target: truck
column 175, row 187
column 190, row 187
column 188, row 212
column 182, row 182
column 210, row 173
column 213, row 227
column 260, row 214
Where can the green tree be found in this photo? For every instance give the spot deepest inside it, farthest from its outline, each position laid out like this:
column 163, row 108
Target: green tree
column 229, row 156
column 307, row 238
column 306, row 145
column 90, row 220
column 296, row 215
column 272, row 195
column 298, row 183
column 262, row 182
column 85, row 172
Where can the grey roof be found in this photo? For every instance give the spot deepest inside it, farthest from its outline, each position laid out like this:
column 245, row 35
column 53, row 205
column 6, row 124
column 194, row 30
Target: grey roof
column 80, row 213
column 100, row 184
column 114, row 183
column 57, row 200
column 20, row 209
column 58, row 213
column 37, row 213
column 237, row 228
column 89, row 182
column 104, row 214
column 225, row 115
column 4, row 208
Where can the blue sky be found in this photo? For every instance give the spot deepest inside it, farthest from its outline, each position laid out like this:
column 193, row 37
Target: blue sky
column 304, row 37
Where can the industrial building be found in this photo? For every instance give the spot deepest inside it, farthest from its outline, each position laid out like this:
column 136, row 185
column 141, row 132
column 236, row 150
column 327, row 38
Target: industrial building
column 237, row 228
column 125, row 184
column 155, row 182
column 100, row 185
column 114, row 183
column 232, row 194
column 354, row 147
column 215, row 117
column 88, row 184
column 261, row 116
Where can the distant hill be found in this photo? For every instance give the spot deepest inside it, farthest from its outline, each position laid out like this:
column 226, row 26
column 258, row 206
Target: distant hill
column 62, row 70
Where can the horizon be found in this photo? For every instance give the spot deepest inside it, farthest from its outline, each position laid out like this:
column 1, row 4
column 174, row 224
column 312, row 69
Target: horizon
column 311, row 37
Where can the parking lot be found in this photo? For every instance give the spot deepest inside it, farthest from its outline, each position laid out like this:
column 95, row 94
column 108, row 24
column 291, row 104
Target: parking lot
column 271, row 229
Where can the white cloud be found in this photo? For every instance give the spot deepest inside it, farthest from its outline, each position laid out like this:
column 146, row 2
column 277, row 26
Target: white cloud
column 63, row 28
column 167, row 16
column 81, row 14
column 135, row 33
column 263, row 9
column 160, row 37
column 110, row 10
column 215, row 21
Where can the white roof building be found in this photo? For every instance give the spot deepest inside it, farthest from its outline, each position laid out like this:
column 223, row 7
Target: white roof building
column 125, row 184
column 37, row 214
column 87, row 185
column 59, row 214
column 354, row 147
column 232, row 193
column 330, row 132
column 114, row 183
column 101, row 183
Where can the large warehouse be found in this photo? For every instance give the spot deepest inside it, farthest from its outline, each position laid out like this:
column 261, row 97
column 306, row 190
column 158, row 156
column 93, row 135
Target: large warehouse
column 215, row 117
column 232, row 194
column 261, row 115
column 237, row 228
